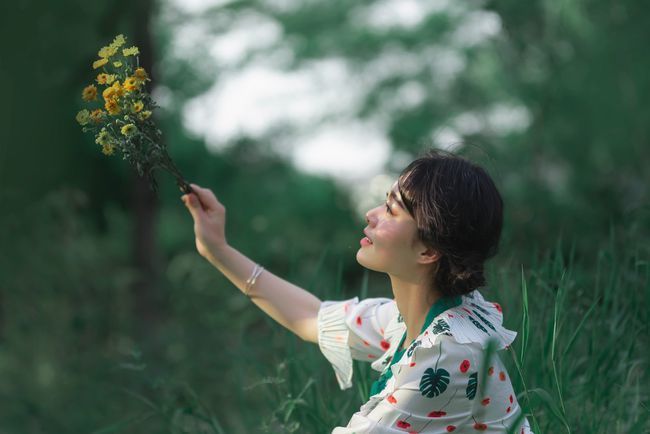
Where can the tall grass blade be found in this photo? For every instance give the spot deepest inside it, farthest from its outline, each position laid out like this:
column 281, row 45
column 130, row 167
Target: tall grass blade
column 525, row 321
column 577, row 330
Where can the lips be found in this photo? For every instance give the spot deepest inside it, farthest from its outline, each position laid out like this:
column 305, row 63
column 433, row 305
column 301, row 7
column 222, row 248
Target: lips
column 365, row 232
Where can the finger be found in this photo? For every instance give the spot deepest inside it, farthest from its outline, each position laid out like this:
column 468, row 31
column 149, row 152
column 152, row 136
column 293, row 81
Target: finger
column 192, row 203
column 206, row 197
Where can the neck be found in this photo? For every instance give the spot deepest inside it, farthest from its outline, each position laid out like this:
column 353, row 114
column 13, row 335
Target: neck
column 414, row 300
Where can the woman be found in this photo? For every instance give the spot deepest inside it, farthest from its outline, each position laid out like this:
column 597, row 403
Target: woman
column 441, row 221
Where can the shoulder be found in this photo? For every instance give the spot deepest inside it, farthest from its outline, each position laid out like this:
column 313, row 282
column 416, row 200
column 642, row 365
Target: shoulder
column 474, row 321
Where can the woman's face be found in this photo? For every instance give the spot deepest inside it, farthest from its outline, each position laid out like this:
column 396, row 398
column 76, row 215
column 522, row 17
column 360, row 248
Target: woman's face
column 391, row 245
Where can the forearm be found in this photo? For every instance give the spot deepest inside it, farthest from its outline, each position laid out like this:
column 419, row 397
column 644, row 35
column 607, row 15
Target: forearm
column 293, row 307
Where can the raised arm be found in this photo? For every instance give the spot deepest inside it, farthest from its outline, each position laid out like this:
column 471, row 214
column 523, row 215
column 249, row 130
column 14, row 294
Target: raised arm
column 288, row 304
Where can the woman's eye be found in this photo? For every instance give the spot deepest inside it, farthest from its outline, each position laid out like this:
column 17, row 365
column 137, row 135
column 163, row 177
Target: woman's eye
column 388, row 209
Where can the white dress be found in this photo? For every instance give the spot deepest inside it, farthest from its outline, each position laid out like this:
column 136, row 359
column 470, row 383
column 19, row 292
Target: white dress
column 437, row 385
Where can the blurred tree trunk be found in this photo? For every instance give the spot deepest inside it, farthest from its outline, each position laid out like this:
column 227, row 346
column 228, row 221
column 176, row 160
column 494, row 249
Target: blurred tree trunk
column 144, row 203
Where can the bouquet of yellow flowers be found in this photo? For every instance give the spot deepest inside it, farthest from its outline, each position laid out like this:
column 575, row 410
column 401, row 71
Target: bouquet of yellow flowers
column 123, row 119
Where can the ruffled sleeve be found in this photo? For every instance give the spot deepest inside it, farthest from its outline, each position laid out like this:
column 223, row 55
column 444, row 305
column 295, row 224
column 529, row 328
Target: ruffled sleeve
column 476, row 321
column 353, row 329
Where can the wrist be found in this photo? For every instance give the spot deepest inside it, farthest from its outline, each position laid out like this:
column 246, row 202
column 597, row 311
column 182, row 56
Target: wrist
column 216, row 253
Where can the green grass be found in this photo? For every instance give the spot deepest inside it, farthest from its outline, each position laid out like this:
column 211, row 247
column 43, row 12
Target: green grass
column 581, row 356
column 579, row 363
column 70, row 361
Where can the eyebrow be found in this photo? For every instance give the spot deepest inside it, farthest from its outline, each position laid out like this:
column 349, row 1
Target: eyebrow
column 392, row 195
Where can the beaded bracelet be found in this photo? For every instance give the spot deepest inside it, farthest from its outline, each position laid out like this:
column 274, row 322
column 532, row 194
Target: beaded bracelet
column 251, row 280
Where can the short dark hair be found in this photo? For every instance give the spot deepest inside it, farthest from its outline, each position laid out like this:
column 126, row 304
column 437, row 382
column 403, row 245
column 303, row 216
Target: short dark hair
column 458, row 212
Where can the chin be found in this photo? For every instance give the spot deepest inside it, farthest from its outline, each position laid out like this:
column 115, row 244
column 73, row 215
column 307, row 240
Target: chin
column 367, row 264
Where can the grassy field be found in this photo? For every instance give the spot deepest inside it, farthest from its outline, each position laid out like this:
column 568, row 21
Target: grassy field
column 72, row 360
column 579, row 362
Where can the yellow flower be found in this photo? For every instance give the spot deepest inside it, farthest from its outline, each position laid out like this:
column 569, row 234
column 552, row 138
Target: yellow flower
column 106, row 52
column 99, row 63
column 141, row 75
column 103, row 137
column 128, row 130
column 112, row 107
column 117, row 64
column 119, row 89
column 108, row 149
column 118, row 41
column 107, row 142
column 109, row 93
column 82, row 117
column 89, row 93
column 137, row 106
column 132, row 51
column 113, row 92
column 145, row 114
column 97, row 115
column 105, row 78
column 131, row 84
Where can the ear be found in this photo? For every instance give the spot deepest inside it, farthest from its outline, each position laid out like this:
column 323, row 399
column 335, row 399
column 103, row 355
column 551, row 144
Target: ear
column 429, row 256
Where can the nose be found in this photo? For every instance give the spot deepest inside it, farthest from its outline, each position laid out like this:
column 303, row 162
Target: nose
column 371, row 219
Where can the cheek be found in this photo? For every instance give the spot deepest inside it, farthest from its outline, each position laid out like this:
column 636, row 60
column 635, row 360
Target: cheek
column 393, row 237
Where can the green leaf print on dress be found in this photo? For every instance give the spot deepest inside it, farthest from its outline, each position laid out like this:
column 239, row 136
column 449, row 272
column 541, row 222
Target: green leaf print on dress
column 440, row 326
column 434, row 381
column 487, row 323
column 477, row 324
column 415, row 344
column 472, row 386
column 480, row 308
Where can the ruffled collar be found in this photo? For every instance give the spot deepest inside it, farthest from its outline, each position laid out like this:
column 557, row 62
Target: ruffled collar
column 474, row 320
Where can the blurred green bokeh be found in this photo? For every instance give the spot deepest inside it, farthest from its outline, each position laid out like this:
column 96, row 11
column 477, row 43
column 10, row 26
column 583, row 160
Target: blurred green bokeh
column 111, row 322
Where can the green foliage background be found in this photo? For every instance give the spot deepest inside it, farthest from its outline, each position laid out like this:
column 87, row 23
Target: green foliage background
column 572, row 273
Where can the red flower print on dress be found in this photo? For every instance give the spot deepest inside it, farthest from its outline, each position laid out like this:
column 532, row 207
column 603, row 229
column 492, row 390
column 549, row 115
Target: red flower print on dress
column 384, row 344
column 508, row 410
column 437, row 414
column 464, row 366
column 467, row 310
column 511, row 399
column 502, row 376
column 391, row 399
column 358, row 320
column 366, row 343
column 498, row 306
column 450, row 316
column 370, row 356
column 486, row 401
column 403, row 424
column 490, row 370
column 451, row 428
column 480, row 426
column 412, row 364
